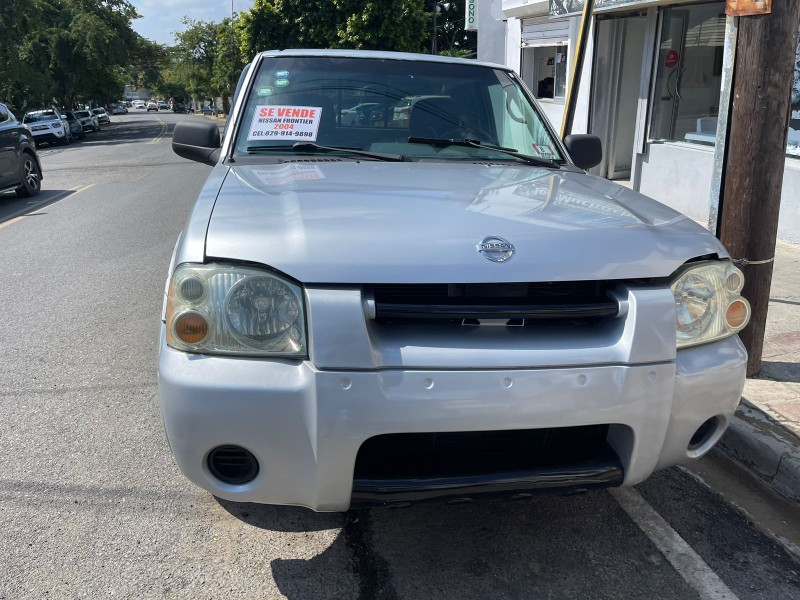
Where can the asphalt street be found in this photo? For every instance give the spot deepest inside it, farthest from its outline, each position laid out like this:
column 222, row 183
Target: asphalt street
column 93, row 506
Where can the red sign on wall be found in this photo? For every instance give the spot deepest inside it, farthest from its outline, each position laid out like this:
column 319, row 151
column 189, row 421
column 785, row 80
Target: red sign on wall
column 743, row 8
column 672, row 59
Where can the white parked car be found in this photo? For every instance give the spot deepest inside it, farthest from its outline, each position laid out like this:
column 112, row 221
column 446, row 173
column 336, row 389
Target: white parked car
column 447, row 310
column 48, row 126
column 102, row 115
column 363, row 113
column 88, row 120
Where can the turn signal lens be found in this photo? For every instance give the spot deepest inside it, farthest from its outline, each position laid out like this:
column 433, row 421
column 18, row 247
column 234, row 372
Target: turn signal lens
column 738, row 314
column 191, row 328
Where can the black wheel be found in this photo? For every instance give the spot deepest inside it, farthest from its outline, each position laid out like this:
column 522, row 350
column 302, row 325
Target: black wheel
column 82, row 135
column 31, row 177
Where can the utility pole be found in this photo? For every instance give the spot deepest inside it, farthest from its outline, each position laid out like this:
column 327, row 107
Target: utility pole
column 755, row 156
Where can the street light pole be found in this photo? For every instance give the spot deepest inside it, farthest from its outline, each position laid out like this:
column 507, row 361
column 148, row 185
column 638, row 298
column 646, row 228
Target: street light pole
column 436, row 10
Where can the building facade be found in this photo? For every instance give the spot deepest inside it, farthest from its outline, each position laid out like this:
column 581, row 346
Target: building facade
column 651, row 88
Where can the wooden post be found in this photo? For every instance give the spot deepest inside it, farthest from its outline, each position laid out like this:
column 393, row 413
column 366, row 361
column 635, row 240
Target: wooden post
column 756, row 152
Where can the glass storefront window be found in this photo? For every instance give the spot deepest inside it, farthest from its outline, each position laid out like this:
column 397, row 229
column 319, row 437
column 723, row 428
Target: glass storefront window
column 793, row 143
column 549, row 72
column 688, row 74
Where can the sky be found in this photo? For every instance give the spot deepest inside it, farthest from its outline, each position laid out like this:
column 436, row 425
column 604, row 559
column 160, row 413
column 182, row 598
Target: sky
column 162, row 17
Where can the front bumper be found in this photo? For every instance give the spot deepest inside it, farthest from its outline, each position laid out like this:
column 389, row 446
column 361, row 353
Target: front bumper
column 305, row 426
column 41, row 137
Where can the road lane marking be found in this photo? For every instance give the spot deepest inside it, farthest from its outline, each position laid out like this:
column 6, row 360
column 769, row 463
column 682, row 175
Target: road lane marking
column 680, row 555
column 28, row 212
column 161, row 134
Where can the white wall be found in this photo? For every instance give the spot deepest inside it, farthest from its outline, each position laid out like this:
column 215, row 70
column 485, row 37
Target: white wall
column 554, row 111
column 491, row 32
column 679, row 175
column 512, row 42
column 789, row 221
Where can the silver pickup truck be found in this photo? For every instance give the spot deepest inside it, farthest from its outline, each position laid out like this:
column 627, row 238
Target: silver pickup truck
column 433, row 301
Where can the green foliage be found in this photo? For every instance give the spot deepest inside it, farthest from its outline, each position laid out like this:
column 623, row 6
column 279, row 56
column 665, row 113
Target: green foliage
column 228, row 61
column 70, row 51
column 147, row 64
column 397, row 25
column 451, row 37
column 64, row 51
column 23, row 65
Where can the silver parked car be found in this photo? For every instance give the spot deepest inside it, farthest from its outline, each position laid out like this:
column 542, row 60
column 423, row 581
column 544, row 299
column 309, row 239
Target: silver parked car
column 440, row 307
column 87, row 119
column 102, row 116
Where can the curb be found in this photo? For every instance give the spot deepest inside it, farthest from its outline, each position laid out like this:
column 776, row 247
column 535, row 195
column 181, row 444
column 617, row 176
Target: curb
column 765, row 448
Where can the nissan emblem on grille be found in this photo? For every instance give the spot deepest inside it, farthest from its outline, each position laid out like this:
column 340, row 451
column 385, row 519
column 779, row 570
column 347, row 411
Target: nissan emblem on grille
column 495, row 249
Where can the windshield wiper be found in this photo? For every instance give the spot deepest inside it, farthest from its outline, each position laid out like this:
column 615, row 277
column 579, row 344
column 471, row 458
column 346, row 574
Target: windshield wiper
column 467, row 143
column 313, row 146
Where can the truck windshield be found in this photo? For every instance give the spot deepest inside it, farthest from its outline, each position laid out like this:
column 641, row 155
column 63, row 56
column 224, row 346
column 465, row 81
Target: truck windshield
column 392, row 106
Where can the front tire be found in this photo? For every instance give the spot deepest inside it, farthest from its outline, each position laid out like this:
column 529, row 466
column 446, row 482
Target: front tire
column 31, row 177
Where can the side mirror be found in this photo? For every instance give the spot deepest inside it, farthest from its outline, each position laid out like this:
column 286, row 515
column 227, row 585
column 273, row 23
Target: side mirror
column 586, row 151
column 197, row 140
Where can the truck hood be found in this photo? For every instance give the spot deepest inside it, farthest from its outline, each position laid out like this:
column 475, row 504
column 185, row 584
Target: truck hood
column 349, row 222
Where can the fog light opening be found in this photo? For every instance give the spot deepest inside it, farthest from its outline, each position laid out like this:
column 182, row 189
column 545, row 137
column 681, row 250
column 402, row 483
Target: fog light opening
column 232, row 464
column 703, row 434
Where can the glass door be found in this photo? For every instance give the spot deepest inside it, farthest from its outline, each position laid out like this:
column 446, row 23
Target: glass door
column 689, row 74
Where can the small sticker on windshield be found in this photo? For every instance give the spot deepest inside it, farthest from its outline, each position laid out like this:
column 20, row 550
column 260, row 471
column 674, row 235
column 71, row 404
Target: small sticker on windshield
column 281, row 82
column 265, row 91
column 299, row 123
column 545, row 151
column 281, row 74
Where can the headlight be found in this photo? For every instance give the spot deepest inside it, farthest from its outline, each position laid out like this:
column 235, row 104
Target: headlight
column 219, row 309
column 708, row 304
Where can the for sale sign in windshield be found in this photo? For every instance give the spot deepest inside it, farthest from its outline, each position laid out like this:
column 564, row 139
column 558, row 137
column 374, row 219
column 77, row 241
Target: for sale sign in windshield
column 285, row 123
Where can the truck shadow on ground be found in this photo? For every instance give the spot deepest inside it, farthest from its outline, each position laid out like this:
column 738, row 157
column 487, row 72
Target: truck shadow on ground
column 556, row 546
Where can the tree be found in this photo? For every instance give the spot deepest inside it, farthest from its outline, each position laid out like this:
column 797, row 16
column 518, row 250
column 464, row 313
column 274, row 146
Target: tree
column 147, row 63
column 24, row 66
column 88, row 42
column 364, row 24
column 63, row 50
column 451, row 37
column 228, row 61
column 193, row 57
column 382, row 25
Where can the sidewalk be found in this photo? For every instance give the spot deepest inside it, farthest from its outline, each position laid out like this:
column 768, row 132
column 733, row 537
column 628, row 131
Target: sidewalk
column 765, row 434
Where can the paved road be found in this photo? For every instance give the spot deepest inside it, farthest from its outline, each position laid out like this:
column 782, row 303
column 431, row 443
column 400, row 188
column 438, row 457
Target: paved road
column 92, row 505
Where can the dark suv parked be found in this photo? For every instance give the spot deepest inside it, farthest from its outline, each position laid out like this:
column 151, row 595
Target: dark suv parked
column 19, row 165
column 75, row 124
